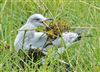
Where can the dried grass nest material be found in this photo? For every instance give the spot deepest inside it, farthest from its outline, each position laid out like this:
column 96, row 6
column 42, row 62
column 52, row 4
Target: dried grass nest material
column 55, row 29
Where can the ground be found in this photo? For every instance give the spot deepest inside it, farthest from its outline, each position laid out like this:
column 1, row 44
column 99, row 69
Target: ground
column 83, row 56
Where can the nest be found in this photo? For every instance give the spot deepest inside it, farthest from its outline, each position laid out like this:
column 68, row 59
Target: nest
column 56, row 29
column 36, row 54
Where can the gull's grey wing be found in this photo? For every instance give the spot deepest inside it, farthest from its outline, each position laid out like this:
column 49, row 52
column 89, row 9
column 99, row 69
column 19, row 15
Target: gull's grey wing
column 39, row 39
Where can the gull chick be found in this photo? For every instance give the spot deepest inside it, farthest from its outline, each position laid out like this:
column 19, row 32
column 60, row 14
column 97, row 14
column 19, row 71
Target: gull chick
column 27, row 37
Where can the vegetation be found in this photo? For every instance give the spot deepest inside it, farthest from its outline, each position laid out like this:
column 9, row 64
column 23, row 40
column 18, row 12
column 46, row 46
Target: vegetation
column 83, row 56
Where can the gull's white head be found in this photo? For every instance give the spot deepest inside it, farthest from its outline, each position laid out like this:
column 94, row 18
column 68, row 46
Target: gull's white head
column 37, row 20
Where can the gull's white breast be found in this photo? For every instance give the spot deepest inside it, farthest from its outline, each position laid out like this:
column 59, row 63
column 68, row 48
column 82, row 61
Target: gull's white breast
column 31, row 38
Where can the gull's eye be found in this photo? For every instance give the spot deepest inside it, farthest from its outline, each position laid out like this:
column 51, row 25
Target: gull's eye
column 37, row 19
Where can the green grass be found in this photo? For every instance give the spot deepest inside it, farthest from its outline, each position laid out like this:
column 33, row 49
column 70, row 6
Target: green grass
column 83, row 56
